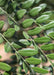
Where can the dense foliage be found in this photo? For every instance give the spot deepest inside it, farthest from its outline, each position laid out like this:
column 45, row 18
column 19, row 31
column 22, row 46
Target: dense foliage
column 28, row 33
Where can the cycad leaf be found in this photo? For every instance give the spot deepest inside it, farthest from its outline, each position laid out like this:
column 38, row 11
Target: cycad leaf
column 1, row 24
column 27, row 23
column 5, row 73
column 15, row 45
column 35, row 11
column 1, row 40
column 51, row 35
column 2, row 3
column 33, row 60
column 10, row 21
column 1, row 12
column 37, row 1
column 40, row 70
column 26, row 35
column 27, row 52
column 27, row 4
column 35, row 31
column 17, row 28
column 7, row 47
column 9, row 33
column 48, row 47
column 25, row 42
column 49, row 25
column 51, row 13
column 42, row 18
column 47, row 13
column 43, row 6
column 25, row 68
column 20, row 13
column 4, row 66
column 42, row 39
column 0, row 56
column 51, row 56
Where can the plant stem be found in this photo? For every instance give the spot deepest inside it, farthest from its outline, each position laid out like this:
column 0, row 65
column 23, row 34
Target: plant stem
column 8, row 15
column 43, row 52
column 10, row 43
column 16, row 52
column 31, row 39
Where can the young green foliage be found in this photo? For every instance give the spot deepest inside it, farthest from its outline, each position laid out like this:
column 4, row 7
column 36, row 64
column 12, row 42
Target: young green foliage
column 33, row 60
column 42, row 18
column 34, row 11
column 40, row 70
column 35, row 31
column 27, row 23
column 7, row 47
column 5, row 67
column 1, row 24
column 26, row 32
column 48, row 47
column 27, row 4
column 42, row 39
column 9, row 33
column 51, row 35
column 27, row 52
column 20, row 13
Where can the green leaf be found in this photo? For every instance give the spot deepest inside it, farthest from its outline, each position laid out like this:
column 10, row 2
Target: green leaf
column 27, row 4
column 35, row 46
column 4, row 66
column 19, row 69
column 40, row 70
column 25, row 68
column 43, row 6
column 10, row 21
column 34, row 11
column 42, row 18
column 37, row 1
column 28, row 52
column 26, row 35
column 1, row 12
column 27, row 23
column 33, row 60
column 14, row 4
column 35, row 31
column 47, row 13
column 49, row 25
column 25, row 42
column 17, row 28
column 7, row 47
column 51, row 13
column 15, row 45
column 2, row 3
column 5, row 73
column 51, row 56
column 48, row 47
column 9, row 33
column 0, row 56
column 1, row 40
column 1, row 24
column 21, row 13
column 42, row 39
column 51, row 35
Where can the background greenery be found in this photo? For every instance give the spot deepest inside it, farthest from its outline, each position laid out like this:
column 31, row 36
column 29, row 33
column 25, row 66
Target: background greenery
column 27, row 30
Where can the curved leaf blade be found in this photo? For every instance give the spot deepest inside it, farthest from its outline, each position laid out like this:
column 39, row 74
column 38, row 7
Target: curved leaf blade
column 4, row 66
column 51, row 56
column 40, row 70
column 48, row 47
column 33, row 60
column 27, row 52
